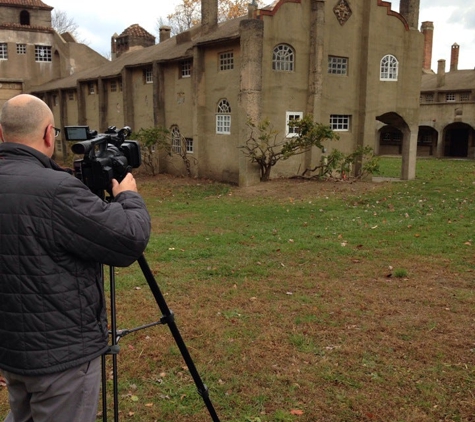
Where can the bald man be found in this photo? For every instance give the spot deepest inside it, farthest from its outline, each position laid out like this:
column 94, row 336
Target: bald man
column 54, row 236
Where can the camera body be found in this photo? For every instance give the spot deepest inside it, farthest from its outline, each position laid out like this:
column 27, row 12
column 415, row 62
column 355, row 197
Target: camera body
column 106, row 156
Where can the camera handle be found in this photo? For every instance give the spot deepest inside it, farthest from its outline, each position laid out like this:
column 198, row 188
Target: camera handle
column 167, row 318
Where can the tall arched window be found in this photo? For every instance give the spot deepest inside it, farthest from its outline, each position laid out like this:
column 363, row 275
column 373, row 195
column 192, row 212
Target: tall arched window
column 223, row 117
column 389, row 68
column 176, row 139
column 24, row 17
column 283, row 58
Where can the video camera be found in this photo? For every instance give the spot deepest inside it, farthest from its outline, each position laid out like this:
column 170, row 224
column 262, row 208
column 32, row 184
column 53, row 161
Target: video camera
column 106, row 156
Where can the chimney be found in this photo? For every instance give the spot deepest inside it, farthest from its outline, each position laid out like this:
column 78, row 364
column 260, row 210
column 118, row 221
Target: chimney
column 410, row 10
column 454, row 57
column 164, row 33
column 427, row 28
column 252, row 10
column 209, row 15
column 440, row 73
column 114, row 46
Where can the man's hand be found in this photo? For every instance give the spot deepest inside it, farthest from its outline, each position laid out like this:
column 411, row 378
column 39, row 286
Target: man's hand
column 128, row 183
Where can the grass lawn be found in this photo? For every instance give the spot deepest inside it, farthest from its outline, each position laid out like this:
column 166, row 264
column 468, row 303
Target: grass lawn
column 306, row 301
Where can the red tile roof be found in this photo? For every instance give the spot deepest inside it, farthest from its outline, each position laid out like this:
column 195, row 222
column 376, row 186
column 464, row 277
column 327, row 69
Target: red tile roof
column 136, row 30
column 25, row 3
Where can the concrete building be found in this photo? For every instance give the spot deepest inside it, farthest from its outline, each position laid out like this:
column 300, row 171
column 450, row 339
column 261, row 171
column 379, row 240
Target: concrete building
column 352, row 64
column 447, row 108
column 32, row 53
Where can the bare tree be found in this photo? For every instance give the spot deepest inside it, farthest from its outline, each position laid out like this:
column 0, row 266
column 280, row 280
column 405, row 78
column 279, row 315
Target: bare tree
column 188, row 13
column 61, row 23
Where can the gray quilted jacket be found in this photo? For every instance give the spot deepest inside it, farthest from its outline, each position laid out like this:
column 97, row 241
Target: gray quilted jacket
column 54, row 234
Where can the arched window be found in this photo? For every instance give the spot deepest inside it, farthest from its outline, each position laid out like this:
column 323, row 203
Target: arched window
column 283, row 58
column 24, row 18
column 176, row 139
column 389, row 68
column 223, row 117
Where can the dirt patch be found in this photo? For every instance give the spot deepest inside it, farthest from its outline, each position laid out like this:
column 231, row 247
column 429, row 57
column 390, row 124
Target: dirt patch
column 296, row 188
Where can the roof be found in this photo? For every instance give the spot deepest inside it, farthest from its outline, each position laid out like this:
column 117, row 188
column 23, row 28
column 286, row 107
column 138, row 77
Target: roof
column 456, row 80
column 136, row 30
column 25, row 3
column 170, row 50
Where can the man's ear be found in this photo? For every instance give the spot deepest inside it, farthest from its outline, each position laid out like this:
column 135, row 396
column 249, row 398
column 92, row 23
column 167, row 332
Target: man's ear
column 47, row 146
column 49, row 137
column 1, row 134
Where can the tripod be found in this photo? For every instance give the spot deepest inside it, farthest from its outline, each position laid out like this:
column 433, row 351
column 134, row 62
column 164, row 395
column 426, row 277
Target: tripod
column 168, row 319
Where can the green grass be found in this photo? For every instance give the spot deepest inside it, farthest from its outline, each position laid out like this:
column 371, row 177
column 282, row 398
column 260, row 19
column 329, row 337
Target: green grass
column 306, row 301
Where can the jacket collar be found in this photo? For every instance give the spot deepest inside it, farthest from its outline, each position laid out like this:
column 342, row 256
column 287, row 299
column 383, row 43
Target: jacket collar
column 13, row 151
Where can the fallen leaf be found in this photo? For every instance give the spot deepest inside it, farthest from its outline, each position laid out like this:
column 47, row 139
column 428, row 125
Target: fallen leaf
column 296, row 412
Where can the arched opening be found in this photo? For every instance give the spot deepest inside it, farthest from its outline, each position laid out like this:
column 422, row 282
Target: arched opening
column 426, row 141
column 456, row 140
column 396, row 127
column 392, row 135
column 24, row 18
column 390, row 141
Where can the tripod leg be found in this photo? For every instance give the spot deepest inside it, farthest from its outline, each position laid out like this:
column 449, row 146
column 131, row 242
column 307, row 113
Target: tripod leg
column 114, row 346
column 169, row 319
column 104, row 388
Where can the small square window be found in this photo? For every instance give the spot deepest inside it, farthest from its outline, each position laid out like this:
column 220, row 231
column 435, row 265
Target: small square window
column 21, row 48
column 340, row 122
column 43, row 53
column 450, row 96
column 429, row 98
column 71, row 95
column 226, row 61
column 92, row 88
column 337, row 65
column 465, row 96
column 113, row 86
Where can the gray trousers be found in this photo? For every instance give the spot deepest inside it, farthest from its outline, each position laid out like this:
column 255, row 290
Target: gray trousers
column 69, row 396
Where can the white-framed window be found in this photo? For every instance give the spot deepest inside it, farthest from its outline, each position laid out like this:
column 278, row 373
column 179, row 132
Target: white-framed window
column 189, row 145
column 340, row 122
column 389, row 68
column 465, row 96
column 176, row 139
column 71, row 95
column 3, row 51
column 21, row 48
column 226, row 60
column 186, row 68
column 148, row 75
column 338, row 65
column 91, row 88
column 450, row 97
column 43, row 53
column 223, row 118
column 291, row 116
column 283, row 58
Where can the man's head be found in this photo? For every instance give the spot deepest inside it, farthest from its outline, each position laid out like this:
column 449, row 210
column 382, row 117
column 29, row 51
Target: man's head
column 27, row 120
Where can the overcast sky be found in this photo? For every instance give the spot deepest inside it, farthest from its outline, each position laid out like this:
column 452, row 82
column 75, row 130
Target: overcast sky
column 98, row 20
